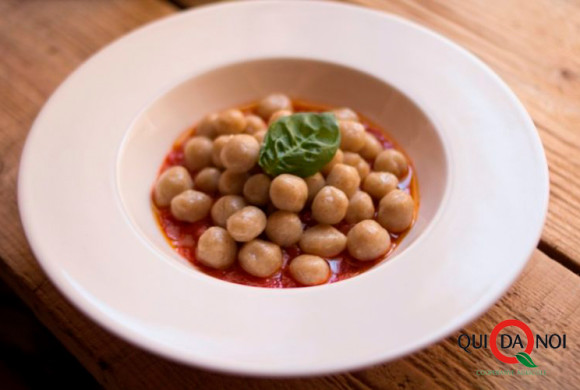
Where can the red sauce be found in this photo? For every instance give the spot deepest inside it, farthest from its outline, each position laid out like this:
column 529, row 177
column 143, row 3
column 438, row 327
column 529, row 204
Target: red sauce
column 183, row 235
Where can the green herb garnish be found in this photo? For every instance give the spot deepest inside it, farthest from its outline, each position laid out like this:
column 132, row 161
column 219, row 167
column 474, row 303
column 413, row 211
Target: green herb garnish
column 300, row 144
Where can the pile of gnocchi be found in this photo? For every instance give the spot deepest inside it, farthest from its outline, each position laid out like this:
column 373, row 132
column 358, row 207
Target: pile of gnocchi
column 246, row 176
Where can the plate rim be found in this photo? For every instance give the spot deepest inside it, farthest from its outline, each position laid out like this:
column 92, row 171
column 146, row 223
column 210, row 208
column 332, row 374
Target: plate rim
column 126, row 334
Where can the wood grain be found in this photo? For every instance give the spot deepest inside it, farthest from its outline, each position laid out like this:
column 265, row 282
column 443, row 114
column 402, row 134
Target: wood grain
column 534, row 47
column 546, row 296
column 42, row 42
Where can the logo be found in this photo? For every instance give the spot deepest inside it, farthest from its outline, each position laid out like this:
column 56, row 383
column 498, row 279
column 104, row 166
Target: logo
column 522, row 357
column 512, row 347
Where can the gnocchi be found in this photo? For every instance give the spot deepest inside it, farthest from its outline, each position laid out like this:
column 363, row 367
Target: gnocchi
column 242, row 221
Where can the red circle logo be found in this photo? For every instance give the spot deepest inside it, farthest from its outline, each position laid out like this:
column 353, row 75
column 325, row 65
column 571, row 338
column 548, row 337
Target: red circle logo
column 495, row 333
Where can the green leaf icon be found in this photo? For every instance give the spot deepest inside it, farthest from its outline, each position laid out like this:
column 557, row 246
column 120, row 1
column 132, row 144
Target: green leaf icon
column 525, row 359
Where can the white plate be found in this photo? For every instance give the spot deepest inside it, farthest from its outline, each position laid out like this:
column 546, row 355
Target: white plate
column 94, row 150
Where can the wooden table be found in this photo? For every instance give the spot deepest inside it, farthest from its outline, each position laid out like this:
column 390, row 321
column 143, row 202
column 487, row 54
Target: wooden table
column 534, row 45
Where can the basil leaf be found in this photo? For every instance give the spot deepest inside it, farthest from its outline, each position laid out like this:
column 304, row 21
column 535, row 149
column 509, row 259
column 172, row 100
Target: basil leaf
column 300, row 144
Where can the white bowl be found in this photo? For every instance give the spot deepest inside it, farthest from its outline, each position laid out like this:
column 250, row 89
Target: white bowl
column 154, row 131
column 94, row 151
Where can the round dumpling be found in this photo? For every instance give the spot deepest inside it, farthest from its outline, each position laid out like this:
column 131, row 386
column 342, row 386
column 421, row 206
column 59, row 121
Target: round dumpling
column 171, row 183
column 190, row 206
column 367, row 240
column 284, row 228
column 309, row 270
column 322, row 240
column 289, row 192
column 216, row 248
column 260, row 258
column 329, row 205
column 396, row 211
column 246, row 224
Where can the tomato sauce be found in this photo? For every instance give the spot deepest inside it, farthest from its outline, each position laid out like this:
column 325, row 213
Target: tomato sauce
column 182, row 236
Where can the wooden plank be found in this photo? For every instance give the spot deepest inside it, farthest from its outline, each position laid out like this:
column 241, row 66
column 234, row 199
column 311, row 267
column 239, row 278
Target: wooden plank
column 41, row 43
column 546, row 297
column 534, row 47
